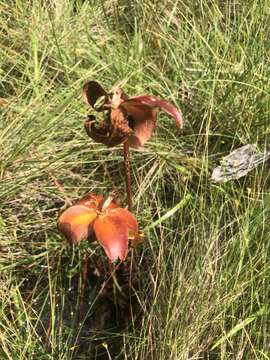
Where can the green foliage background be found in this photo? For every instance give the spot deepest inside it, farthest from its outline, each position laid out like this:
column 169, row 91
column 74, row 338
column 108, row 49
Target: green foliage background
column 204, row 268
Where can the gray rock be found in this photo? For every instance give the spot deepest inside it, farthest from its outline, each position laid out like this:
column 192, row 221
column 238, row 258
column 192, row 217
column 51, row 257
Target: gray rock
column 238, row 163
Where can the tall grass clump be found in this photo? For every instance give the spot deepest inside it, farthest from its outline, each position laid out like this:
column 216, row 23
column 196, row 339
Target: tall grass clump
column 203, row 271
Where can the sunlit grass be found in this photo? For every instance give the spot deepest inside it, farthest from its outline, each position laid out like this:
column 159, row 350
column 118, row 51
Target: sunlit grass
column 202, row 280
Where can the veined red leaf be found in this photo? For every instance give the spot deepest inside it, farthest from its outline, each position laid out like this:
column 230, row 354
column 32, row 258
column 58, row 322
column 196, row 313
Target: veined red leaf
column 96, row 202
column 107, row 135
column 92, row 91
column 112, row 234
column 130, row 221
column 92, row 201
column 165, row 105
column 142, row 119
column 126, row 217
column 76, row 222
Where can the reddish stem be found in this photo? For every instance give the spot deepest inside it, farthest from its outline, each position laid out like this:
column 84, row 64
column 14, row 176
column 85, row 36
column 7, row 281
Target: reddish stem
column 128, row 174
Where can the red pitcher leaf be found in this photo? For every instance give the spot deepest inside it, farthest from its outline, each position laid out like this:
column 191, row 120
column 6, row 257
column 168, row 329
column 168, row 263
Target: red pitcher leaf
column 165, row 105
column 107, row 135
column 92, row 91
column 112, row 234
column 99, row 135
column 142, row 119
column 95, row 217
column 125, row 118
column 129, row 219
column 96, row 202
column 125, row 217
column 92, row 201
column 75, row 223
column 119, row 127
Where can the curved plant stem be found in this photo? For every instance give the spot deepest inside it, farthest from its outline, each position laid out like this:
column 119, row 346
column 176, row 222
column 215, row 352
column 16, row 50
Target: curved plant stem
column 128, row 175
